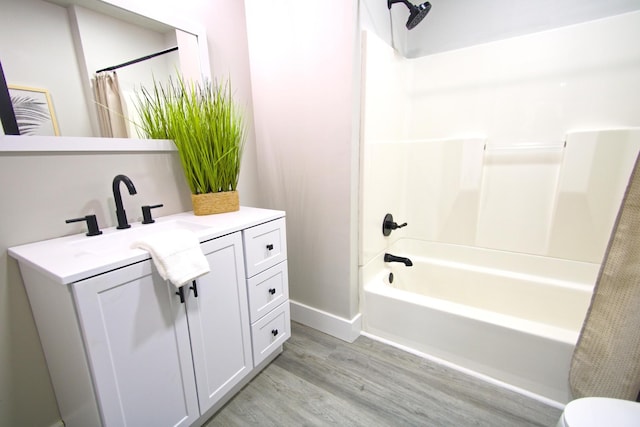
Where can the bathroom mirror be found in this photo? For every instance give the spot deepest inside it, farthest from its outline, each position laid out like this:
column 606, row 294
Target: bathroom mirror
column 88, row 35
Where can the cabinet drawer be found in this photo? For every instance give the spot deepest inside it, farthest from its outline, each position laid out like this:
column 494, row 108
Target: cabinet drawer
column 270, row 332
column 265, row 245
column 267, row 290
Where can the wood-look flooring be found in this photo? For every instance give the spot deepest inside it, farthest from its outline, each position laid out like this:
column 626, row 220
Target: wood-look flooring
column 319, row 380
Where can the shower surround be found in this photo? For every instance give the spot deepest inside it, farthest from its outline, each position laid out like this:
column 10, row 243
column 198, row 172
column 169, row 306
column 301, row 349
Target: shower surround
column 514, row 153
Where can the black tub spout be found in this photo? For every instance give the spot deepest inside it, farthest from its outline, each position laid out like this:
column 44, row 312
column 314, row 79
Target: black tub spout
column 393, row 258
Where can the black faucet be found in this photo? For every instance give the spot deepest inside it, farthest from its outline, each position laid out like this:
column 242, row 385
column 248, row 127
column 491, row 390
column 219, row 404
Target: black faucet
column 120, row 213
column 393, row 258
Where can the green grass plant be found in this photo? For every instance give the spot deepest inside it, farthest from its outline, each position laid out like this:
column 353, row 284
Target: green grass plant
column 206, row 126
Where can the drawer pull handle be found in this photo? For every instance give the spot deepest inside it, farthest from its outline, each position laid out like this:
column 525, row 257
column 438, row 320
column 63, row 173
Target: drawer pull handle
column 274, row 332
column 180, row 292
column 272, row 291
column 270, row 247
column 194, row 288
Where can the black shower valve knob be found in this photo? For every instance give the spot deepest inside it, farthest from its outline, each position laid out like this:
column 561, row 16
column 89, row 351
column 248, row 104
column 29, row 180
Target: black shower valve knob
column 388, row 225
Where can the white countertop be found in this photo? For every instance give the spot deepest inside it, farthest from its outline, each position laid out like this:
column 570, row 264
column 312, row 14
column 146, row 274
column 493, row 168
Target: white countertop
column 72, row 258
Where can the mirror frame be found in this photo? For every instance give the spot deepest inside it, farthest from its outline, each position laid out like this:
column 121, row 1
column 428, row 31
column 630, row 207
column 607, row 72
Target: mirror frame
column 17, row 143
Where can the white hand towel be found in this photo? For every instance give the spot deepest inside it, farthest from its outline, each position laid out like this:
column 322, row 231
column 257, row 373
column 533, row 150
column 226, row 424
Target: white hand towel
column 176, row 254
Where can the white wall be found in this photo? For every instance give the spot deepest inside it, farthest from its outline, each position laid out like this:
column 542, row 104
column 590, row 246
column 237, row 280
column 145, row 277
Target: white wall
column 303, row 63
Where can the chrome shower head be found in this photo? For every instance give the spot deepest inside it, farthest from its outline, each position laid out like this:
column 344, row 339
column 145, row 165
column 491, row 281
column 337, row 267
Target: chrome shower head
column 416, row 13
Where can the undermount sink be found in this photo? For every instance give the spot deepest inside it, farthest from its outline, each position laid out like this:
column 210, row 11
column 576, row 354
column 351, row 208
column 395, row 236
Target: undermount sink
column 114, row 240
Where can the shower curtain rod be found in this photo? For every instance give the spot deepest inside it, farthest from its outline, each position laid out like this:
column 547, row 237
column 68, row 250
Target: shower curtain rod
column 135, row 61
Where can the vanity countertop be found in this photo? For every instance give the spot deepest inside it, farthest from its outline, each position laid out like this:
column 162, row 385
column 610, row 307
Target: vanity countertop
column 72, row 258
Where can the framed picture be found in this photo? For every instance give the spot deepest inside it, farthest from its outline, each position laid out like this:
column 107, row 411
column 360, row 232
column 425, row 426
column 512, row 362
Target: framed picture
column 33, row 110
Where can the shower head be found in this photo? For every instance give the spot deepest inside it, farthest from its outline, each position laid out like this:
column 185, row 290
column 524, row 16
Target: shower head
column 416, row 13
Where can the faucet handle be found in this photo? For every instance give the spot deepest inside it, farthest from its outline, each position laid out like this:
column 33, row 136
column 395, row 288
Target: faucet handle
column 146, row 213
column 92, row 224
column 389, row 225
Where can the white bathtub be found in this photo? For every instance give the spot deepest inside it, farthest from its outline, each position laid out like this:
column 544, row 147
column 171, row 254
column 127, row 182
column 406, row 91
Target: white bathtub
column 513, row 317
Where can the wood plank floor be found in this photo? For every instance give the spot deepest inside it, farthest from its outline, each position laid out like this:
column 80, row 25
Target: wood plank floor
column 319, row 380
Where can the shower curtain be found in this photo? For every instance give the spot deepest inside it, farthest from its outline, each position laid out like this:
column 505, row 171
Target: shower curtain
column 110, row 105
column 606, row 360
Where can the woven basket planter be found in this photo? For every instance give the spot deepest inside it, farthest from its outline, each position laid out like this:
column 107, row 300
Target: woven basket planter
column 215, row 203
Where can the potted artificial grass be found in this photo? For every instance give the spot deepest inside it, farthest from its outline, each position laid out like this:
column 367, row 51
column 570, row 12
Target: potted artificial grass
column 208, row 130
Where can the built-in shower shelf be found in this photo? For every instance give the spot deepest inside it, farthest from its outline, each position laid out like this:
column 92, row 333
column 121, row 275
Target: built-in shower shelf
column 526, row 147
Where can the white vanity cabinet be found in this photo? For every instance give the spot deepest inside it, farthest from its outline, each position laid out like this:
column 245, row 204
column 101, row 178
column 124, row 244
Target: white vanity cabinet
column 125, row 349
column 142, row 338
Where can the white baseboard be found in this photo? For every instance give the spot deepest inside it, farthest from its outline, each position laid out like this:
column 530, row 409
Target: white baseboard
column 344, row 329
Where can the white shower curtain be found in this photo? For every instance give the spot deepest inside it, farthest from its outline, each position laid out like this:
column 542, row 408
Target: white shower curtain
column 110, row 105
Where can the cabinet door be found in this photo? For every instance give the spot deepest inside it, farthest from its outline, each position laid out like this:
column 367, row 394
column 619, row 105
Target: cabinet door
column 219, row 321
column 137, row 340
